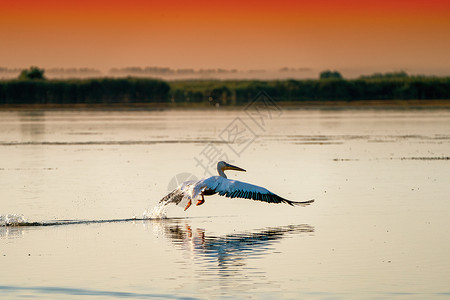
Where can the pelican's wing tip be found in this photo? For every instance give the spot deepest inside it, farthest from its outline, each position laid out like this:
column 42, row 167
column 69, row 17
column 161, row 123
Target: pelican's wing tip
column 300, row 203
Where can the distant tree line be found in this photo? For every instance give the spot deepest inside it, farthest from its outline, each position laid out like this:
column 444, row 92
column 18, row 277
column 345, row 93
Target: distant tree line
column 400, row 74
column 330, row 89
column 32, row 88
column 83, row 91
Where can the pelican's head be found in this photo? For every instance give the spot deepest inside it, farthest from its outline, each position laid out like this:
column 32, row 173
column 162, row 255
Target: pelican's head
column 222, row 166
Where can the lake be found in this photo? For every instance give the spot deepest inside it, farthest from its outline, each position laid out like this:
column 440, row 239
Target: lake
column 80, row 186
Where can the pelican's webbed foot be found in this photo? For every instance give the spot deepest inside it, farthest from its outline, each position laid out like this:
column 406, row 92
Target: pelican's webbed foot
column 201, row 201
column 188, row 205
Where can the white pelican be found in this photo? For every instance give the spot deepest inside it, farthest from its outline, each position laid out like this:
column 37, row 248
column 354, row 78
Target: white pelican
column 191, row 190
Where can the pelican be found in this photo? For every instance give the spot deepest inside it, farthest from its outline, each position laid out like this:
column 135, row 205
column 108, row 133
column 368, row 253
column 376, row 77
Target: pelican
column 197, row 189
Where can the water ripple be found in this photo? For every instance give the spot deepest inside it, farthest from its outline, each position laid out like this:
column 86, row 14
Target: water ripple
column 109, row 143
column 52, row 290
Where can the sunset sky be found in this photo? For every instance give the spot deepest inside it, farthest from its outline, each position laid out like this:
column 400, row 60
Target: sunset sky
column 348, row 35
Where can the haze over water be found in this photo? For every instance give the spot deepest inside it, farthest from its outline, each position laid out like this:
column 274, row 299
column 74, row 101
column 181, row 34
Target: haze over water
column 379, row 227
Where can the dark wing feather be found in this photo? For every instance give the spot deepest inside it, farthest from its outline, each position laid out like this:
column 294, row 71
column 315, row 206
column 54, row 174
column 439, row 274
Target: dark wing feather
column 239, row 189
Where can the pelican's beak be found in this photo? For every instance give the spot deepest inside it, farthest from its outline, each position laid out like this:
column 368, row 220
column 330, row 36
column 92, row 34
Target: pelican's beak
column 231, row 167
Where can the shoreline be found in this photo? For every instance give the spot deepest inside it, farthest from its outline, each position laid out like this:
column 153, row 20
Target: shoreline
column 307, row 105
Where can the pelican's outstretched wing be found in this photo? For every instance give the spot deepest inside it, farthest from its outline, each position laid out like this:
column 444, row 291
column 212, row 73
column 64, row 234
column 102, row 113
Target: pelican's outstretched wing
column 239, row 189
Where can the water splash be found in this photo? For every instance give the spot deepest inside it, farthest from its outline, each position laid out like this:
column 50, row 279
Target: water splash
column 158, row 212
column 177, row 197
column 12, row 220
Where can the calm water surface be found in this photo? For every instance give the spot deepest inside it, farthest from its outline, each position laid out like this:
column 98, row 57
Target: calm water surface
column 380, row 226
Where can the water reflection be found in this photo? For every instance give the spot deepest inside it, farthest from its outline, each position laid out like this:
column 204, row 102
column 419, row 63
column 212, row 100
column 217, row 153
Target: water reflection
column 228, row 252
column 32, row 129
column 32, row 125
column 10, row 232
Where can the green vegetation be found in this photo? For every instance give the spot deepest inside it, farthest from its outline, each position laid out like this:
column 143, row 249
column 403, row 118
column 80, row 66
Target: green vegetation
column 32, row 73
column 32, row 88
column 330, row 74
column 240, row 92
column 86, row 91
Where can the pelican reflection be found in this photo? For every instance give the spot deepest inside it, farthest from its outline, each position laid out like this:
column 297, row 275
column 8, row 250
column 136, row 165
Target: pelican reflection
column 230, row 250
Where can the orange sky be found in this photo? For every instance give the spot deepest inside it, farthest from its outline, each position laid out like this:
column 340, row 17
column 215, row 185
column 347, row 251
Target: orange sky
column 348, row 35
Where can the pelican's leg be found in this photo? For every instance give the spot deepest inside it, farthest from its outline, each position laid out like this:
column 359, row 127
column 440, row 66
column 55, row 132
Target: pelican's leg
column 200, row 202
column 189, row 231
column 188, row 205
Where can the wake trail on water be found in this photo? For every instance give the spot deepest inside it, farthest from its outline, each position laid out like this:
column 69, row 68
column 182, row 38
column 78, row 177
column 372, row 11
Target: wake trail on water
column 158, row 212
column 15, row 220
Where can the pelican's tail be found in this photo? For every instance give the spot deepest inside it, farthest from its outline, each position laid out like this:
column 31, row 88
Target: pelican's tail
column 173, row 197
column 179, row 196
